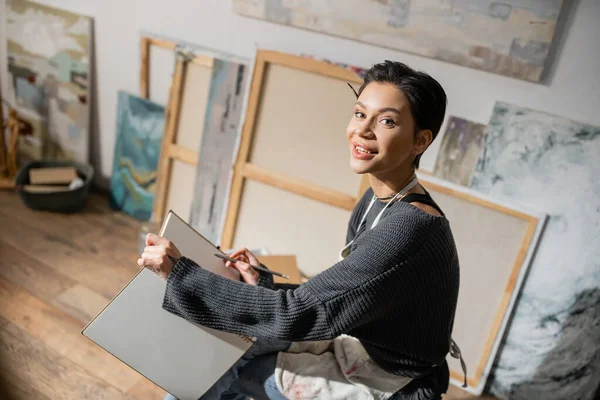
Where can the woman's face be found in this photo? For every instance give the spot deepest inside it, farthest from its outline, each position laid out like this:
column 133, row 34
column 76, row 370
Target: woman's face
column 381, row 133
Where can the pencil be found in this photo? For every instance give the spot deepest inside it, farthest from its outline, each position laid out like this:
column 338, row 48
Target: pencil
column 259, row 268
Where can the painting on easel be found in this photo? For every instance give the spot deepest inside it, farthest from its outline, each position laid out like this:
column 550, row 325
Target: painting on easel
column 48, row 64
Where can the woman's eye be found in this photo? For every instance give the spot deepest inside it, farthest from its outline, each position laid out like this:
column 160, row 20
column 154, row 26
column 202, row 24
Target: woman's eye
column 388, row 122
column 358, row 114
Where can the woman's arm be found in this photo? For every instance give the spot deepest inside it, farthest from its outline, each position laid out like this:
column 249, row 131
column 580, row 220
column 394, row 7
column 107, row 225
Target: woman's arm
column 211, row 300
column 349, row 294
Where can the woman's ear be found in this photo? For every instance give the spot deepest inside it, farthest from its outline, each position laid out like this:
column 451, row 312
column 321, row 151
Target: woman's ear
column 422, row 141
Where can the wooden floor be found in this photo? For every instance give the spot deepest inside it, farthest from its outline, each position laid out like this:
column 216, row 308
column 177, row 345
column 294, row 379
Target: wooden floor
column 56, row 273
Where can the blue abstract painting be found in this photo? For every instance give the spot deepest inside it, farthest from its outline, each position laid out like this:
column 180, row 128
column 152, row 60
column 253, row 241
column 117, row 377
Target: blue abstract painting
column 139, row 131
column 549, row 163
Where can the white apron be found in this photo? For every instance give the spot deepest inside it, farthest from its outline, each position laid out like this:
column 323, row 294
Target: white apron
column 339, row 368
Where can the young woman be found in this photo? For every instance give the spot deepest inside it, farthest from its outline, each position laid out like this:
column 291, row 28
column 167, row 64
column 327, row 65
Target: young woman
column 378, row 323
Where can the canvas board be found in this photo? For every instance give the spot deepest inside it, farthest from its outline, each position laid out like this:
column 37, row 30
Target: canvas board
column 495, row 242
column 183, row 358
column 301, row 128
column 309, row 157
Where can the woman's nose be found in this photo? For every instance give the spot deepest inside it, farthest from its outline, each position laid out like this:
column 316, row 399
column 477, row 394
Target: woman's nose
column 364, row 130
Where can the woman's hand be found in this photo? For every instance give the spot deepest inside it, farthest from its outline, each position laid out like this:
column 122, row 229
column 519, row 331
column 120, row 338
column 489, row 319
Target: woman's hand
column 243, row 265
column 156, row 255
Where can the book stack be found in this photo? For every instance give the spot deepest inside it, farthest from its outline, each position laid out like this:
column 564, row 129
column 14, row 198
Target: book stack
column 55, row 179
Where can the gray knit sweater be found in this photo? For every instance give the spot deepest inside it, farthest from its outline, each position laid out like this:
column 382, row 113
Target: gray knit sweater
column 396, row 292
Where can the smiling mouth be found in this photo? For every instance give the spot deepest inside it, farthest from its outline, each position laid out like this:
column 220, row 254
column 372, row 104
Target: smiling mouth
column 362, row 150
column 360, row 153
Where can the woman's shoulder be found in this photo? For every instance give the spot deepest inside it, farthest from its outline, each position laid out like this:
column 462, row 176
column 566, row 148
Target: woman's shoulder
column 414, row 216
column 408, row 226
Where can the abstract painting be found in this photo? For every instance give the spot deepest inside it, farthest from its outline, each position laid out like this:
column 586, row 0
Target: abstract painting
column 48, row 64
column 507, row 37
column 220, row 139
column 140, row 125
column 459, row 151
column 549, row 163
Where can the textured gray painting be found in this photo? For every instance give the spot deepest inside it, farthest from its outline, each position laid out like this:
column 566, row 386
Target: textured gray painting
column 459, row 151
column 508, row 37
column 222, row 126
column 551, row 164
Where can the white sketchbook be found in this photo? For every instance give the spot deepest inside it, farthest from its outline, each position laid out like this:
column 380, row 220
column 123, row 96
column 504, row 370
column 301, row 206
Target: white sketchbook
column 183, row 358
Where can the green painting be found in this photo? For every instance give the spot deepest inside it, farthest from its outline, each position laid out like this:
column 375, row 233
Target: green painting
column 140, row 125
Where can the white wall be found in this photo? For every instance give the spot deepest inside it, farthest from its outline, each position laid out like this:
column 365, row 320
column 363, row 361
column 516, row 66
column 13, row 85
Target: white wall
column 572, row 90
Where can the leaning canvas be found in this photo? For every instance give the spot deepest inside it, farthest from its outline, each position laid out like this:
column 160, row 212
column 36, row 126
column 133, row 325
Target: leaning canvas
column 459, row 151
column 139, row 130
column 48, row 65
column 220, row 139
column 549, row 163
column 510, row 38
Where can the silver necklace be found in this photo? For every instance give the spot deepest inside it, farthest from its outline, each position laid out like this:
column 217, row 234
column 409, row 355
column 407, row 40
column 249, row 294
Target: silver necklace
column 391, row 196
